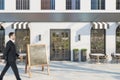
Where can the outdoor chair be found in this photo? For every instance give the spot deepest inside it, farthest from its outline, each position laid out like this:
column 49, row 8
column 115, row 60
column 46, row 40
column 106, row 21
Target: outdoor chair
column 104, row 59
column 92, row 58
column 115, row 58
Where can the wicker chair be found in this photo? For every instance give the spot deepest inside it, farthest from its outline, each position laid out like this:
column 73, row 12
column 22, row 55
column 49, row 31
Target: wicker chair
column 104, row 59
column 93, row 59
column 115, row 59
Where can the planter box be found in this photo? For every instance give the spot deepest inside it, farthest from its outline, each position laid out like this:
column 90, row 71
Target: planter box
column 83, row 56
column 76, row 56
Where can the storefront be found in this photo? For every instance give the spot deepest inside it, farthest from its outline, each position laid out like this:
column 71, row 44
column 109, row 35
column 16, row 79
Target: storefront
column 62, row 33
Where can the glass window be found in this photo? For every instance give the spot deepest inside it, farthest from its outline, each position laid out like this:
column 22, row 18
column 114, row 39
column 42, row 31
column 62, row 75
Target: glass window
column 1, row 4
column 97, row 40
column 60, row 44
column 72, row 4
column 48, row 4
column 97, row 4
column 68, row 4
column 2, row 38
column 117, row 4
column 22, row 4
column 118, row 40
column 22, row 39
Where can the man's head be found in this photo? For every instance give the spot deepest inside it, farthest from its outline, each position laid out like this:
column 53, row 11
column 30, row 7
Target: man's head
column 12, row 35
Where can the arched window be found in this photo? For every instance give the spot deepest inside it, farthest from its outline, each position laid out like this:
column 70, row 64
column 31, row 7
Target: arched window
column 2, row 38
column 22, row 39
column 98, row 40
column 118, row 39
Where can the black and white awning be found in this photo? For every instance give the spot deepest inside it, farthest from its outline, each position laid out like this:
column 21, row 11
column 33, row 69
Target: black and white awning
column 100, row 25
column 20, row 25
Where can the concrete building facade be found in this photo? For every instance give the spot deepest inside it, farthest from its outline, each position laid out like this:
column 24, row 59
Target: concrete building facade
column 71, row 32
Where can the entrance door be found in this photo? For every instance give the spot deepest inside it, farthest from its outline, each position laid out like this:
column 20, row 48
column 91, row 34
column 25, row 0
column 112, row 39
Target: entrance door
column 60, row 44
column 2, row 39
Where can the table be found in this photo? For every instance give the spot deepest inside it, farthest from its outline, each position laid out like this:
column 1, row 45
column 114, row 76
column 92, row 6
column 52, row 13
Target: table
column 97, row 55
column 117, row 54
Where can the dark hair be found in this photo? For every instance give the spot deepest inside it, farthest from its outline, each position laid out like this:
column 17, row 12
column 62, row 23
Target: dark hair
column 10, row 34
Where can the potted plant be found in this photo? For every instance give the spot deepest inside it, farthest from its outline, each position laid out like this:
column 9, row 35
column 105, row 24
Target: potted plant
column 83, row 55
column 76, row 55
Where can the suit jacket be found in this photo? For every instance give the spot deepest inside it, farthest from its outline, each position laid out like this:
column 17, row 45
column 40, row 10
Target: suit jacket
column 10, row 52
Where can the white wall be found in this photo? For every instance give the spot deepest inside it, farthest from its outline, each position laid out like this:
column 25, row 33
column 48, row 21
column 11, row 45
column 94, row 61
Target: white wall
column 110, row 5
column 110, row 39
column 8, row 29
column 76, row 28
column 81, row 28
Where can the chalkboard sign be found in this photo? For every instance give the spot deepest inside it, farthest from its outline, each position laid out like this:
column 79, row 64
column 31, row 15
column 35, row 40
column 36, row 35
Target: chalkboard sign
column 36, row 55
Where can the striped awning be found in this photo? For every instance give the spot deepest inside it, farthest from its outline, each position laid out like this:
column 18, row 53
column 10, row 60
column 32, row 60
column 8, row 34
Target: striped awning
column 20, row 25
column 100, row 25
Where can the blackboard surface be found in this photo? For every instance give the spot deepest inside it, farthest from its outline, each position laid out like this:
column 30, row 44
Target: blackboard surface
column 37, row 54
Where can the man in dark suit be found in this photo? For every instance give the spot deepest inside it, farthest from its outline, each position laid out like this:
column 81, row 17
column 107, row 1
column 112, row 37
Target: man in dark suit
column 10, row 56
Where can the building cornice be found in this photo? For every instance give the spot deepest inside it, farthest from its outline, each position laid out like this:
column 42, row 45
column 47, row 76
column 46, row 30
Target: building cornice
column 60, row 17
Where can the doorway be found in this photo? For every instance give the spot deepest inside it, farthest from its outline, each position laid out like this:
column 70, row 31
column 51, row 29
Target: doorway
column 60, row 45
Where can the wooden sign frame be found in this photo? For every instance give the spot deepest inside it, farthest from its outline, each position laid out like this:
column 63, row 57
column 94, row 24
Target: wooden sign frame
column 28, row 61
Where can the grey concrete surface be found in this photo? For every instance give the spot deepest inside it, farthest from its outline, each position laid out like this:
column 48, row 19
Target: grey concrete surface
column 63, row 70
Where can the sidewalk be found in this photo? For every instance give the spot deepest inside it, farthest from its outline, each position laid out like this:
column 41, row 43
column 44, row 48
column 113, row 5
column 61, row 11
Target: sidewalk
column 69, row 71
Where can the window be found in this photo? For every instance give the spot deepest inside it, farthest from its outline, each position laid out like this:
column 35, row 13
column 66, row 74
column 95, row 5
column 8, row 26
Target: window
column 97, row 4
column 22, row 39
column 98, row 40
column 118, row 40
column 48, row 4
column 2, row 38
column 1, row 4
column 72, row 4
column 117, row 4
column 22, row 4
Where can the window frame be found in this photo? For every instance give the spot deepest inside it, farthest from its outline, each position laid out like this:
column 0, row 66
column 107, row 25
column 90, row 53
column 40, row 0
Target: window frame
column 98, row 5
column 104, row 52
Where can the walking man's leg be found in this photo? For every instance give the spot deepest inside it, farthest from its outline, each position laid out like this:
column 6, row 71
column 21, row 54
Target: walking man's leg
column 15, row 70
column 4, row 70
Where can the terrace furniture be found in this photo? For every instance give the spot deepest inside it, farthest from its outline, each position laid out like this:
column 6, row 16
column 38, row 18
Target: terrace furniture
column 92, row 58
column 104, row 59
column 98, row 57
column 115, row 57
column 1, row 57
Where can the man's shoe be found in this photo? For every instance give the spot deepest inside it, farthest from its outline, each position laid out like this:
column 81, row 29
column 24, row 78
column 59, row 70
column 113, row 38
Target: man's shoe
column 1, row 79
column 19, row 79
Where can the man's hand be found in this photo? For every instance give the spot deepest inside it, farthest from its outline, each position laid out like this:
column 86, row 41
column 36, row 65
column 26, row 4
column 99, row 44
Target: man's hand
column 21, row 58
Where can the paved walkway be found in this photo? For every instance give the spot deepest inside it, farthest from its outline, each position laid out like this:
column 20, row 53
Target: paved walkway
column 69, row 71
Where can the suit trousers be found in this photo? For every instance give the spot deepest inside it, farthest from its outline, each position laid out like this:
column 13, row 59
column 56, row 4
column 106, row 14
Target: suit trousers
column 14, row 68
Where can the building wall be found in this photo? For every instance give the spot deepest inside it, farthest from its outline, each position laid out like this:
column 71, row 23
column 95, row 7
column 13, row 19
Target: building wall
column 111, row 39
column 60, row 6
column 77, row 28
